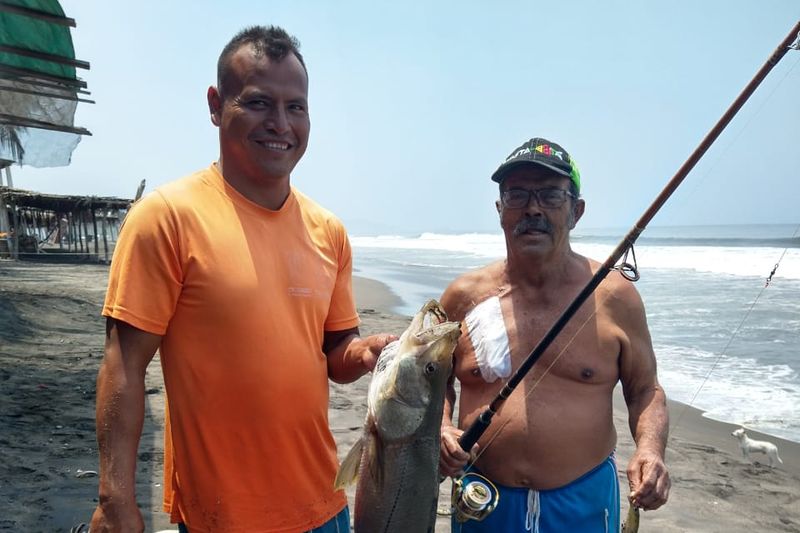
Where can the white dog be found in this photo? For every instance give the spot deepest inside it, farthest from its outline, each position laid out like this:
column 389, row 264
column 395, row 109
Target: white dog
column 760, row 446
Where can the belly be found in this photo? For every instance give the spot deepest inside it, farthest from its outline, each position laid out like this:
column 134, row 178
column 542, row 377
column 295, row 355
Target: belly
column 546, row 440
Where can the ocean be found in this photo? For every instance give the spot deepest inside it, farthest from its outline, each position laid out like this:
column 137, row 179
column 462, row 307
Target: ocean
column 725, row 343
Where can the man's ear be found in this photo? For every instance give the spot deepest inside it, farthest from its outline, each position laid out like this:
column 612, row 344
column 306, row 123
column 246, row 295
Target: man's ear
column 214, row 105
column 580, row 207
column 497, row 206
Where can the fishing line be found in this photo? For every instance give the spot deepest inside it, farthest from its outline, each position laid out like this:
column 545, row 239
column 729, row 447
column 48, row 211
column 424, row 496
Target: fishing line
column 732, row 337
column 704, row 177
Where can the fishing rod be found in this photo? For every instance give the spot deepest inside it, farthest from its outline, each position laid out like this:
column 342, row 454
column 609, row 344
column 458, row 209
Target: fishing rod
column 481, row 424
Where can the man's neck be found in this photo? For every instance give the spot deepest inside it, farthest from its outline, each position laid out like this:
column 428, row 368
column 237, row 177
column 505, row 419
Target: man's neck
column 268, row 193
column 539, row 271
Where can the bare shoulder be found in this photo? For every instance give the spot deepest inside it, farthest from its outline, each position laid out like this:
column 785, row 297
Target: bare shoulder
column 623, row 302
column 618, row 294
column 471, row 288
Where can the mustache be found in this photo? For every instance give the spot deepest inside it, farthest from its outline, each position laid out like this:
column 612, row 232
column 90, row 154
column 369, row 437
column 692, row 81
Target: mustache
column 536, row 224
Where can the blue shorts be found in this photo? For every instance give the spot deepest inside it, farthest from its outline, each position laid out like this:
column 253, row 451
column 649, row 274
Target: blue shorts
column 589, row 504
column 338, row 524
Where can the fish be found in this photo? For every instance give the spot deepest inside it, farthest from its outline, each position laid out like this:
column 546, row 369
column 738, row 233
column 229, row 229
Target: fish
column 396, row 460
column 631, row 523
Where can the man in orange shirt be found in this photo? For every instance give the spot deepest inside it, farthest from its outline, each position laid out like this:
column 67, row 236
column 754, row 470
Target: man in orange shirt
column 244, row 285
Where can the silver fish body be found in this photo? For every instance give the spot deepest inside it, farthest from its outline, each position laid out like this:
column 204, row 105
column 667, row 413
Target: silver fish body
column 397, row 458
column 631, row 523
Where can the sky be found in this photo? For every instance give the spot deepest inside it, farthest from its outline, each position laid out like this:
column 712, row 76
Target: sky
column 414, row 104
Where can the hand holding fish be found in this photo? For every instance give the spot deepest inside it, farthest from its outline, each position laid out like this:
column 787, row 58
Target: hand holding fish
column 648, row 479
column 350, row 356
column 452, row 458
column 372, row 347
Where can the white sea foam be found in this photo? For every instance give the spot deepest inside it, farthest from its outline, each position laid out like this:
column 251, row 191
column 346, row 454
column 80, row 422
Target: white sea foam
column 735, row 261
column 733, row 389
column 739, row 261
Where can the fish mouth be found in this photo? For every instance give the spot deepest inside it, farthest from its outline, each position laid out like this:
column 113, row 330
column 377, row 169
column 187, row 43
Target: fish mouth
column 429, row 316
column 439, row 339
column 431, row 331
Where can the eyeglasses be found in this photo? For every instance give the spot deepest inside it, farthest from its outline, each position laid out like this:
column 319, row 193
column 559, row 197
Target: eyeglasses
column 550, row 198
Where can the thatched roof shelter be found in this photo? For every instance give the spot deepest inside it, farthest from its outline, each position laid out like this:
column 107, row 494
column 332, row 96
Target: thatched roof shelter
column 59, row 203
column 42, row 226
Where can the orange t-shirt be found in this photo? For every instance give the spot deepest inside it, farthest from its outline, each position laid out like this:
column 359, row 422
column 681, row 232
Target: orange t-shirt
column 242, row 296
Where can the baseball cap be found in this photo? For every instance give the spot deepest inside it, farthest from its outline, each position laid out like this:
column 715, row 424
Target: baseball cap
column 544, row 153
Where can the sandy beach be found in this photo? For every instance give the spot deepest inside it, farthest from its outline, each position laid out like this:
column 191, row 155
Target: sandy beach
column 51, row 337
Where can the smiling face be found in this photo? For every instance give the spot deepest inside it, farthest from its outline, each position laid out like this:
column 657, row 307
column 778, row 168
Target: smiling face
column 262, row 116
column 534, row 228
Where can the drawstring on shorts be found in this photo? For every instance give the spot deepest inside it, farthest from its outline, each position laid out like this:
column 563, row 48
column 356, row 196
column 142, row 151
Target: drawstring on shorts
column 534, row 511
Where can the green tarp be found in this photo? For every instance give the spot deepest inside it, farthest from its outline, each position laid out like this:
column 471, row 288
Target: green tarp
column 39, row 89
column 26, row 33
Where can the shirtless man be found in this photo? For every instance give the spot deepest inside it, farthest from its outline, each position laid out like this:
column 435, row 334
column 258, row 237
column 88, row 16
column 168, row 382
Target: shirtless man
column 550, row 448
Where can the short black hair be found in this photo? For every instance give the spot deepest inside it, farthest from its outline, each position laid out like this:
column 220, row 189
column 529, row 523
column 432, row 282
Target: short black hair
column 272, row 41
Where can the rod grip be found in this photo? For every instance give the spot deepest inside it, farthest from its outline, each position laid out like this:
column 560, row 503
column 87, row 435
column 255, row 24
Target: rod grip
column 475, row 430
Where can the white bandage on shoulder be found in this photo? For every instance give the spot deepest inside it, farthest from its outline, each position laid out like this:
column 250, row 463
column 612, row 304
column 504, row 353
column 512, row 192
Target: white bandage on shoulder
column 487, row 331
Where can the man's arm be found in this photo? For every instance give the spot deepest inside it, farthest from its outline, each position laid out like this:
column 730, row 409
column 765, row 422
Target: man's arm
column 452, row 458
column 647, row 408
column 350, row 356
column 119, row 414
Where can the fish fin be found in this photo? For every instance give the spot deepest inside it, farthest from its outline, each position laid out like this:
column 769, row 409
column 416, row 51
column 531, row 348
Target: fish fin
column 348, row 470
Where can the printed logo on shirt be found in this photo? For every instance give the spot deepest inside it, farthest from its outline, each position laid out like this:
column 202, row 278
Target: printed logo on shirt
column 300, row 292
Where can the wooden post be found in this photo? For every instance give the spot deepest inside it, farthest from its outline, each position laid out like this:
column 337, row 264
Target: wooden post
column 37, row 220
column 23, row 225
column 72, row 246
column 82, row 233
column 4, row 221
column 85, row 230
column 37, row 230
column 5, row 227
column 59, row 232
column 15, row 240
column 105, row 239
column 114, row 227
column 73, row 243
column 94, row 237
column 23, row 222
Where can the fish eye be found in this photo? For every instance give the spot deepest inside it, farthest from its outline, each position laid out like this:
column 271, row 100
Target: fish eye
column 430, row 368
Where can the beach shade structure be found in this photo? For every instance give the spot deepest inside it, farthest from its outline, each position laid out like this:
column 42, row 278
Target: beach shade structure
column 39, row 89
column 49, row 227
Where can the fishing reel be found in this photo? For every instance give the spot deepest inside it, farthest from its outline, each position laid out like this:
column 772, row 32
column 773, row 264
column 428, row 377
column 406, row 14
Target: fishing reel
column 473, row 498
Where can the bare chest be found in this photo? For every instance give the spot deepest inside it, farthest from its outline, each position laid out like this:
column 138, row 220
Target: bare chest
column 585, row 351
